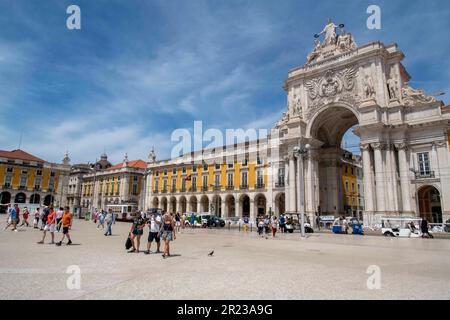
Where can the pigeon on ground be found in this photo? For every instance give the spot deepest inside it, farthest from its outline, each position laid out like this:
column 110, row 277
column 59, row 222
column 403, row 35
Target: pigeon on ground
column 211, row 253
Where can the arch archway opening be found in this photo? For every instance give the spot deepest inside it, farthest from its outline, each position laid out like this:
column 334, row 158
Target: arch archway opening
column 338, row 165
column 280, row 203
column 204, row 204
column 429, row 200
column 48, row 200
column 193, row 205
column 230, row 205
column 216, row 205
column 245, row 205
column 35, row 198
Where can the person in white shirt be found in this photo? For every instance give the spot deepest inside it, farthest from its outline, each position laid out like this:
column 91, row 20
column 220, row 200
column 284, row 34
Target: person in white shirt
column 154, row 224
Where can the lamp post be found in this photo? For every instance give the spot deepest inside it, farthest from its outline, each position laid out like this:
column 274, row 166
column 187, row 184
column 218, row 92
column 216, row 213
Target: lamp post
column 299, row 152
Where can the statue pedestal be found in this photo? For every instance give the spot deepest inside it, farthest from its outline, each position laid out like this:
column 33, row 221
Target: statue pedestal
column 368, row 103
column 394, row 103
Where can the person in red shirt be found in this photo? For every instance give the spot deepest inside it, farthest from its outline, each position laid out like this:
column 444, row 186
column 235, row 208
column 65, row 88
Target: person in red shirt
column 50, row 226
column 26, row 213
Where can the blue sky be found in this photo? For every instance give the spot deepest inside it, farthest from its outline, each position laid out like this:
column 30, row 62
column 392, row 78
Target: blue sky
column 138, row 69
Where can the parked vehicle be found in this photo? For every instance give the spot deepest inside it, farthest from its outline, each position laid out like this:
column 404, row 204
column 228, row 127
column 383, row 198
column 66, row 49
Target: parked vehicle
column 212, row 221
column 293, row 222
column 404, row 227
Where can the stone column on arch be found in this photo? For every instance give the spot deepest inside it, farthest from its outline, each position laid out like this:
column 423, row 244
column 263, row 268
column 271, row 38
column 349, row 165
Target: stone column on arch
column 252, row 209
column 403, row 167
column 369, row 194
column 380, row 188
column 286, row 184
column 292, row 183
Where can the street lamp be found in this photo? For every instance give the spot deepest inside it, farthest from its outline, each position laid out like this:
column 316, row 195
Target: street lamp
column 299, row 152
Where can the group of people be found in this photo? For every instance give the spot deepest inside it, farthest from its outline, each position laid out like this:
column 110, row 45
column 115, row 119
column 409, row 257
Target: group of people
column 108, row 217
column 51, row 221
column 272, row 224
column 161, row 227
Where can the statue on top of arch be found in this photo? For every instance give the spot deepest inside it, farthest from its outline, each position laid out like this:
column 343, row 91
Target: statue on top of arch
column 333, row 42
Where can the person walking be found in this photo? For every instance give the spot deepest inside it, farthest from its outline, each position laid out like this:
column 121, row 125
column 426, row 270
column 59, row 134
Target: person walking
column 26, row 214
column 37, row 216
column 266, row 225
column 137, row 230
column 178, row 221
column 318, row 221
column 183, row 220
column 66, row 222
column 101, row 220
column 109, row 223
column 50, row 226
column 274, row 226
column 154, row 225
column 424, row 228
column 44, row 216
column 260, row 226
column 282, row 223
column 12, row 217
column 59, row 215
column 168, row 234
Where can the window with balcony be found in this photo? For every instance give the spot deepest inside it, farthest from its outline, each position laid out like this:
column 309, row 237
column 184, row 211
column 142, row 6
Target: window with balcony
column 423, row 160
column 174, row 184
column 134, row 189
column 194, row 184
column 217, row 182
column 205, row 183
column 23, row 182
column 230, row 181
column 9, row 169
column 217, row 166
column 52, row 174
column 259, row 179
column 244, row 180
column 183, row 170
column 230, row 165
column 194, row 168
column 37, row 183
column 8, row 179
column 39, row 172
column 205, row 167
column 174, row 171
column 280, row 178
column 183, row 185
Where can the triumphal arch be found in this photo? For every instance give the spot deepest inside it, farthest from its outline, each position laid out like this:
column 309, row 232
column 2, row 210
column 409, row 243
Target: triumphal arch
column 403, row 131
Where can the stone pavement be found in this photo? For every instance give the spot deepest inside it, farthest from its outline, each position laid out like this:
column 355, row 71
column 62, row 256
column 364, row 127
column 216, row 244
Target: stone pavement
column 244, row 266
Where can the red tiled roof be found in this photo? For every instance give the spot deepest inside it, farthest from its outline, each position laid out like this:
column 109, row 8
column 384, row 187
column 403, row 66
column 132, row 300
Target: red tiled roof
column 19, row 154
column 138, row 164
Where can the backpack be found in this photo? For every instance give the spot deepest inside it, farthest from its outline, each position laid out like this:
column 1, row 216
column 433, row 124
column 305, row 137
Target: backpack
column 282, row 220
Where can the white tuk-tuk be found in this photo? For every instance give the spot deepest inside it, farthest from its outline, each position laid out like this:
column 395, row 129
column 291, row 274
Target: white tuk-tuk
column 404, row 227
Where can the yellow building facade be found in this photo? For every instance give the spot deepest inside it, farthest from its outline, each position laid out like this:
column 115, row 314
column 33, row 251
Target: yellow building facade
column 26, row 179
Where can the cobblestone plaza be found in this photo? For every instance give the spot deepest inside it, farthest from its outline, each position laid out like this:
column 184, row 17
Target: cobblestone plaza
column 244, row 266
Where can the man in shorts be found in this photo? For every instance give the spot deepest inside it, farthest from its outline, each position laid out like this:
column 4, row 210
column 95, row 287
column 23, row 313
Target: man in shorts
column 66, row 222
column 50, row 226
column 154, row 225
